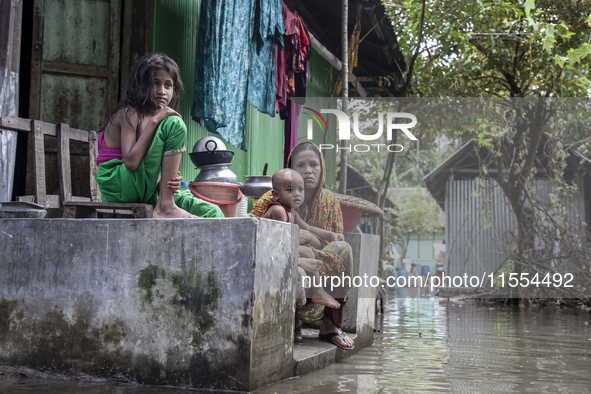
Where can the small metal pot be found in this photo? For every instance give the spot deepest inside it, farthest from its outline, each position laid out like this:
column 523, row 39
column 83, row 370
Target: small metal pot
column 19, row 209
column 256, row 185
column 217, row 173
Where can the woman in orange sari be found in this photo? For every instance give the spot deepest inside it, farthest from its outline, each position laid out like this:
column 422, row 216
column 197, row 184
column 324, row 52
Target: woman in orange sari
column 320, row 209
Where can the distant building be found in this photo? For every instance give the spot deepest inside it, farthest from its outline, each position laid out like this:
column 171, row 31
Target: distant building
column 477, row 244
column 422, row 249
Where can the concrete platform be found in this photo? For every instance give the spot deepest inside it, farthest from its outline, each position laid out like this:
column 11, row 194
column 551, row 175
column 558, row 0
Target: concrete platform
column 205, row 303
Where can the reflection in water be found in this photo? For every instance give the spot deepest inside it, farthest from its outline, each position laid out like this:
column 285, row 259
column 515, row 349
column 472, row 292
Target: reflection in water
column 462, row 348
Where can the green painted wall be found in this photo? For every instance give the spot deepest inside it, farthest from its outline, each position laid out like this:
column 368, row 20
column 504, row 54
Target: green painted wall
column 174, row 32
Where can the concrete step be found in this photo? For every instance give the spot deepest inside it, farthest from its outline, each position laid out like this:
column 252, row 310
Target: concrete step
column 315, row 353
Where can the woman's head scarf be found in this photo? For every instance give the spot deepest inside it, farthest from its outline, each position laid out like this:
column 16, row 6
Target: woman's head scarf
column 325, row 210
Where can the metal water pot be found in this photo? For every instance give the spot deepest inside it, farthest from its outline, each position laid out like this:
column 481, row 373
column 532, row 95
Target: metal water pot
column 256, row 185
column 217, row 173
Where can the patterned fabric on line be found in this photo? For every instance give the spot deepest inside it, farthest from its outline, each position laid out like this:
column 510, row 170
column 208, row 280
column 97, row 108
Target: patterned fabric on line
column 235, row 62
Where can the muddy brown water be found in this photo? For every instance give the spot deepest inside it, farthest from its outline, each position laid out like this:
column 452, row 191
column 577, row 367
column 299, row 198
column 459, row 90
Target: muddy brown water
column 430, row 345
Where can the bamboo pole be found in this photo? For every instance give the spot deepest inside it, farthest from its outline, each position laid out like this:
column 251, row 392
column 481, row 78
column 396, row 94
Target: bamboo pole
column 344, row 92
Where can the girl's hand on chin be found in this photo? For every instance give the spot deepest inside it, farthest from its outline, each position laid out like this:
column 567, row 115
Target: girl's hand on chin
column 164, row 111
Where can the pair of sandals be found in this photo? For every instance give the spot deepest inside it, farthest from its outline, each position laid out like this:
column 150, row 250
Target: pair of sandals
column 330, row 337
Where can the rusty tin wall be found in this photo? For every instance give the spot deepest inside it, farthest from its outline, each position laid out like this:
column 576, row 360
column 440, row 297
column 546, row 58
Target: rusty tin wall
column 75, row 61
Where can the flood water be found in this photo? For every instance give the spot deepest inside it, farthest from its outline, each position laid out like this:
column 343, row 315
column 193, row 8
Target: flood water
column 432, row 345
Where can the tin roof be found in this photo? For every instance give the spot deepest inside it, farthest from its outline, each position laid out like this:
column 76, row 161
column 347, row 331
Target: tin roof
column 377, row 56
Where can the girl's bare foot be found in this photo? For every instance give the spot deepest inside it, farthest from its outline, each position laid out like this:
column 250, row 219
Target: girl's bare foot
column 171, row 212
column 321, row 297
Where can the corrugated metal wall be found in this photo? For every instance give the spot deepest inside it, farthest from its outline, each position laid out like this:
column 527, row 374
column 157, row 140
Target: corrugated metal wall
column 321, row 79
column 174, row 32
column 471, row 249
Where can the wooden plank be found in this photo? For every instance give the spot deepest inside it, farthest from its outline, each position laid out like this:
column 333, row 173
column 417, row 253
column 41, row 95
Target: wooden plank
column 53, row 200
column 108, row 205
column 75, row 69
column 80, row 199
column 15, row 124
column 23, row 124
column 39, row 162
column 95, row 193
column 90, row 209
column 30, row 199
column 116, row 211
column 77, row 148
column 36, row 60
column 30, row 170
column 63, row 158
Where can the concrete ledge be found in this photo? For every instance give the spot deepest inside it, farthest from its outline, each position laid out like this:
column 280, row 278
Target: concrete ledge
column 314, row 354
column 205, row 303
column 359, row 312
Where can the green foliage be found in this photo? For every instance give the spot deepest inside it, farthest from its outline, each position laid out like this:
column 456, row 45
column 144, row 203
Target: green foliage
column 507, row 48
column 419, row 213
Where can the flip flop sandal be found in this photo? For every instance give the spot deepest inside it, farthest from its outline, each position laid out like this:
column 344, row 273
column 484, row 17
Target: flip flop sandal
column 297, row 336
column 330, row 338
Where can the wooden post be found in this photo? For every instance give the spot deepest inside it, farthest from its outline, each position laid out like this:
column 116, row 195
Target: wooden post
column 39, row 161
column 63, row 158
column 95, row 194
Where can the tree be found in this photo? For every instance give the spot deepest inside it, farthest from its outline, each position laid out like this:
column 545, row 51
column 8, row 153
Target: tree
column 502, row 49
column 418, row 213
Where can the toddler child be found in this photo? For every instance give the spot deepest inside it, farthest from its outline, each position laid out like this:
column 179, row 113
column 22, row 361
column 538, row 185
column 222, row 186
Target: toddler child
column 288, row 191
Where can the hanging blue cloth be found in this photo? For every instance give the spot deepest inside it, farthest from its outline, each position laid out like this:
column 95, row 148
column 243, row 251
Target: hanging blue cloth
column 223, row 61
column 228, row 50
column 268, row 31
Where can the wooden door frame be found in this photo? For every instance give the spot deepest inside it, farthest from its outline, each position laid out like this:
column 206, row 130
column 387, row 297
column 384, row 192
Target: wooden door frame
column 38, row 66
